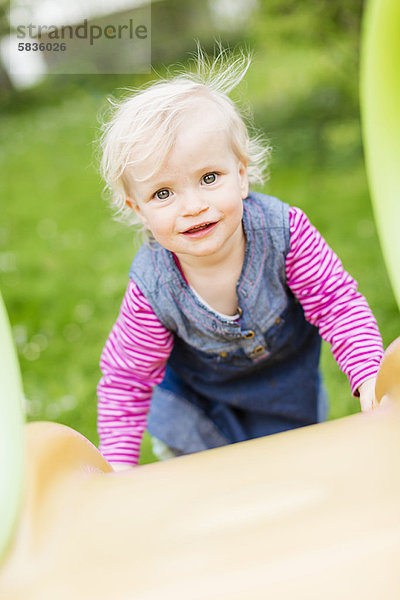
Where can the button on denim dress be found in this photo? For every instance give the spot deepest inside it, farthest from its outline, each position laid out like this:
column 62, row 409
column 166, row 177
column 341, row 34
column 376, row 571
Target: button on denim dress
column 229, row 381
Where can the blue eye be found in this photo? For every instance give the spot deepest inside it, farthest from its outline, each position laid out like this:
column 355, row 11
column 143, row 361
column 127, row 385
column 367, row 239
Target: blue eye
column 162, row 194
column 209, row 178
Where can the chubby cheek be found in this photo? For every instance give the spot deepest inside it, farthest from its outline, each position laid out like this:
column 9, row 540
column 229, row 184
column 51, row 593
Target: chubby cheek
column 234, row 210
column 161, row 229
column 166, row 241
column 150, row 220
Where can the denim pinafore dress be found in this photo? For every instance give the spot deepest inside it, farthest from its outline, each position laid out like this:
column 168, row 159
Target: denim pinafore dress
column 229, row 381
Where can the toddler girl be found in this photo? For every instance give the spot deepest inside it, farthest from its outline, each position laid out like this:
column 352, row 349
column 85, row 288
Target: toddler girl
column 218, row 337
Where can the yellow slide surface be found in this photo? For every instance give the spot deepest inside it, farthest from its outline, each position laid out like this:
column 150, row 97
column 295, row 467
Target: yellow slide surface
column 311, row 513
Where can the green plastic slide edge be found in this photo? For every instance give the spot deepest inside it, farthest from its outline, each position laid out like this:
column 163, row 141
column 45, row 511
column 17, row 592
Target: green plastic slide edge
column 11, row 434
column 380, row 110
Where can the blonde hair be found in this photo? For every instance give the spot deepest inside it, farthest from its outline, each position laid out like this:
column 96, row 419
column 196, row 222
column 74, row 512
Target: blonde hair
column 144, row 124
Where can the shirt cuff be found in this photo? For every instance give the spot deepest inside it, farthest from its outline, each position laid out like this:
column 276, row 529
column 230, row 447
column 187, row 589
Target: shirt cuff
column 367, row 370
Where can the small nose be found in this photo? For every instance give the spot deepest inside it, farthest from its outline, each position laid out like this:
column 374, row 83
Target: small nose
column 193, row 203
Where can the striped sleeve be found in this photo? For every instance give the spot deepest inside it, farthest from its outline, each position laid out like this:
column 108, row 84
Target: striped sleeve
column 331, row 302
column 133, row 362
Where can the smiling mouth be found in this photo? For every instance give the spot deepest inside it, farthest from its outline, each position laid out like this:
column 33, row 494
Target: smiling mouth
column 202, row 227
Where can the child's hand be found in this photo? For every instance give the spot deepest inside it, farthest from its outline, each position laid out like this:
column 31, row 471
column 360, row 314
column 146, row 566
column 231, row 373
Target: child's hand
column 367, row 395
column 121, row 466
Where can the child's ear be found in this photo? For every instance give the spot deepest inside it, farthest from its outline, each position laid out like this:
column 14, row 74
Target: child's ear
column 243, row 180
column 130, row 202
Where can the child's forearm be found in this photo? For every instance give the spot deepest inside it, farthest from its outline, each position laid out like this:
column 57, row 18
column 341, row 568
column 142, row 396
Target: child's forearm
column 122, row 419
column 331, row 302
column 133, row 362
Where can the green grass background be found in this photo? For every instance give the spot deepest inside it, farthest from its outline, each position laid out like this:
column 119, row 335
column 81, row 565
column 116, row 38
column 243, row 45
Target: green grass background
column 64, row 261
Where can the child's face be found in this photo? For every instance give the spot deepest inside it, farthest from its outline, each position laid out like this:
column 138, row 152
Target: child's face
column 193, row 203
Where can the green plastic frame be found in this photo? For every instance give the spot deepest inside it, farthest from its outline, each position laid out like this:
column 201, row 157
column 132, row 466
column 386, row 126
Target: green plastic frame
column 11, row 433
column 380, row 110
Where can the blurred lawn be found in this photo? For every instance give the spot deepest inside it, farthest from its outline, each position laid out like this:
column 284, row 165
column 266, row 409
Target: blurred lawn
column 64, row 261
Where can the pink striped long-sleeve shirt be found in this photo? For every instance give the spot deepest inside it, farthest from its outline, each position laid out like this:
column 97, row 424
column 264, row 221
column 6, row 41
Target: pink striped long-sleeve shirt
column 135, row 355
